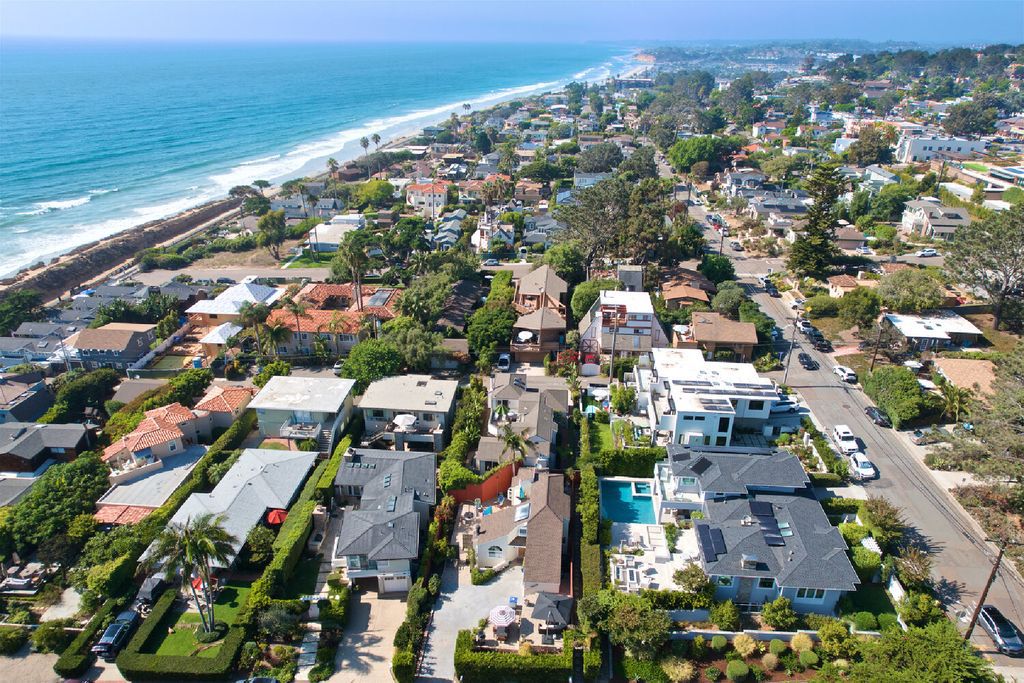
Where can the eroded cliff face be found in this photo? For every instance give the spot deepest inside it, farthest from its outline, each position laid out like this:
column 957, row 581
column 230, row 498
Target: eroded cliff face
column 89, row 260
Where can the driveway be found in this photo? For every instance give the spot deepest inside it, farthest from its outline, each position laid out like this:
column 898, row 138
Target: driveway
column 365, row 650
column 460, row 606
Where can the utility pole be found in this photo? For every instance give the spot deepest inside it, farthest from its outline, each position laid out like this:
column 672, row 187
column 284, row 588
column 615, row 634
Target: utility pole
column 984, row 591
column 789, row 358
column 878, row 341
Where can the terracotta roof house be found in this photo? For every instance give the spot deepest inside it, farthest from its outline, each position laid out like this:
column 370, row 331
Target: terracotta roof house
column 225, row 404
column 678, row 294
column 532, row 528
column 838, row 285
column 225, row 306
column 714, row 332
column 335, row 317
column 163, row 431
column 966, row 373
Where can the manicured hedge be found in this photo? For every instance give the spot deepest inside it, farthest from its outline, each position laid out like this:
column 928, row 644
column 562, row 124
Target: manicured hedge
column 627, row 462
column 77, row 658
column 633, row 669
column 841, row 506
column 403, row 663
column 488, row 666
column 591, row 567
column 589, row 505
column 825, row 479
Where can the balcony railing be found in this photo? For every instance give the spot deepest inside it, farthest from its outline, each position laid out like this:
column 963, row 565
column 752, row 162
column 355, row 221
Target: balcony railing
column 300, row 430
column 545, row 346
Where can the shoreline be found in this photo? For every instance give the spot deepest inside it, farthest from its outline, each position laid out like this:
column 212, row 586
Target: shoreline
column 173, row 227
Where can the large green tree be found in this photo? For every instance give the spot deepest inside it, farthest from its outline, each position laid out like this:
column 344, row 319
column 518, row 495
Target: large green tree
column 910, row 291
column 600, row 158
column 586, row 293
column 270, row 232
column 936, row 652
column 597, row 219
column 815, row 249
column 370, row 360
column 711, row 150
column 971, row 118
column 636, row 625
column 16, row 307
column 873, row 146
column 566, row 259
column 988, row 255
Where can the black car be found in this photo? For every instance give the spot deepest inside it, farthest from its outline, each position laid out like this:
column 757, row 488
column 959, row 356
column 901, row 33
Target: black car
column 822, row 344
column 116, row 636
column 878, row 416
column 225, row 281
column 1003, row 633
column 807, row 362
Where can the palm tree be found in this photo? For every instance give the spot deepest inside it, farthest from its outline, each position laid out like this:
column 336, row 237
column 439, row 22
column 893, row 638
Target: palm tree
column 297, row 309
column 352, row 255
column 512, row 442
column 191, row 547
column 500, row 411
column 332, row 166
column 364, row 142
column 420, row 262
column 467, row 106
column 337, row 325
column 253, row 315
column 956, row 401
column 278, row 333
column 376, row 140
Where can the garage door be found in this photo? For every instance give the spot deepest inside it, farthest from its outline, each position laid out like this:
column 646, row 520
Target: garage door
column 393, row 583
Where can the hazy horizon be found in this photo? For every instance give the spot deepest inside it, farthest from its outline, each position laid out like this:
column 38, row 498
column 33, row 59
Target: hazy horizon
column 643, row 22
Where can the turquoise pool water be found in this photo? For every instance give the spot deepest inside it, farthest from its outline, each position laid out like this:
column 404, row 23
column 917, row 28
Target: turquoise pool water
column 620, row 505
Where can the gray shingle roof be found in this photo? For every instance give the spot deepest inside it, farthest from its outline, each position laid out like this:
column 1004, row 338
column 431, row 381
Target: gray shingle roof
column 27, row 439
column 386, row 526
column 736, row 470
column 812, row 554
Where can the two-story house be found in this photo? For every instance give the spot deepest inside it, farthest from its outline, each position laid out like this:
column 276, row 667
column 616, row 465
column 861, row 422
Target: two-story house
column 428, row 199
column 409, row 412
column 929, row 218
column 24, row 397
column 530, row 410
column 716, row 335
column 294, row 206
column 540, row 301
column 390, row 495
column 115, row 345
column 621, row 323
column 303, row 408
column 226, row 306
column 27, row 448
column 533, row 527
column 163, row 432
column 691, row 400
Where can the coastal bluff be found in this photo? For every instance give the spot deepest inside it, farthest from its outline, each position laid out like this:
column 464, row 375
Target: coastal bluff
column 88, row 261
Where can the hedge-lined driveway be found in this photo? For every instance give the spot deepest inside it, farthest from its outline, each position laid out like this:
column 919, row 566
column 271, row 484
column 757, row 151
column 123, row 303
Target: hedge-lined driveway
column 365, row 650
column 460, row 606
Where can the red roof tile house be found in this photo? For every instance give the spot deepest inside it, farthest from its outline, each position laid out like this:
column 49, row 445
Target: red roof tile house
column 163, row 431
column 225, row 404
column 427, row 198
column 335, row 316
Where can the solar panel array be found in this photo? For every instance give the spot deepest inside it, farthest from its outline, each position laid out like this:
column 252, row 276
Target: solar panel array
column 700, row 465
column 380, row 297
column 711, row 542
column 769, row 525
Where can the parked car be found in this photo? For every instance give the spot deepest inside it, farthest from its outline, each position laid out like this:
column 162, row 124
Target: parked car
column 786, row 405
column 1002, row 631
column 807, row 362
column 773, row 292
column 504, row 362
column 115, row 637
column 804, row 325
column 337, row 367
column 861, row 467
column 864, row 250
column 846, row 374
column 922, row 253
column 736, row 246
column 878, row 416
column 844, row 438
column 822, row 344
column 491, row 262
column 225, row 281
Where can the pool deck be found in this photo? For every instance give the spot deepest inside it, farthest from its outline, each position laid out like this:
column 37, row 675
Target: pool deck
column 655, row 566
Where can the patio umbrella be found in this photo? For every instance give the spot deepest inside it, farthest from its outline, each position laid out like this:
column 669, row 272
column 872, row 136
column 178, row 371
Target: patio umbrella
column 552, row 609
column 502, row 616
column 524, row 336
column 600, row 394
column 276, row 516
column 405, row 420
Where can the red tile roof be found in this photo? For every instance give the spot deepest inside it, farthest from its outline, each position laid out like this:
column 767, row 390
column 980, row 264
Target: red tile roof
column 121, row 514
column 221, row 399
column 159, row 426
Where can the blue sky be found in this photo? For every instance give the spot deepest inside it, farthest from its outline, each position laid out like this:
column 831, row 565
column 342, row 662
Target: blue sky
column 625, row 21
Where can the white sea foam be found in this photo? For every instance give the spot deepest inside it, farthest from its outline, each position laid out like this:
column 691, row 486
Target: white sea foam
column 63, row 204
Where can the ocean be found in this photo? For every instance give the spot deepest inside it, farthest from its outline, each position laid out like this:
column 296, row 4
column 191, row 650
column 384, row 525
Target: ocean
column 96, row 138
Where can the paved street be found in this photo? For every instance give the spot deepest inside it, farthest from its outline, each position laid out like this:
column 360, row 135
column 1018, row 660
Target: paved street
column 159, row 277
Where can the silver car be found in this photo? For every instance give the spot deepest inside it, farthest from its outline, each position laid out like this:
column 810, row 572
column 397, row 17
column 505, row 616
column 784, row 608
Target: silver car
column 1003, row 633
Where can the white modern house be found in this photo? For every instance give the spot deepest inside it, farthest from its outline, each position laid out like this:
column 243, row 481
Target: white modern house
column 408, row 412
column 301, row 408
column 327, row 237
column 621, row 323
column 912, row 148
column 693, row 401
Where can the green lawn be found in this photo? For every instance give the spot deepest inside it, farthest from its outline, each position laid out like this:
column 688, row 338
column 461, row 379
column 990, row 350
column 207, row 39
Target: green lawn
column 176, row 632
column 1001, row 341
column 869, row 598
column 307, row 261
column 981, row 168
column 273, row 446
column 831, row 327
column 303, row 582
column 601, row 436
column 169, row 363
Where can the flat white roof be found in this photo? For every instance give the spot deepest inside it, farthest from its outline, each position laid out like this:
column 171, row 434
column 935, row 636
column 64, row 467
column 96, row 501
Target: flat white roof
column 938, row 325
column 315, row 394
column 695, row 383
column 231, row 299
column 635, row 302
column 410, row 393
column 332, row 233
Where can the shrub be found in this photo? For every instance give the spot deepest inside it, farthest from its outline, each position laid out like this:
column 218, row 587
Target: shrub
column 866, row 562
column 777, row 647
column 51, row 636
column 918, row 609
column 12, row 640
column 736, row 670
column 801, row 642
column 719, row 643
column 809, row 659
column 887, row 621
column 865, row 621
column 853, row 533
column 489, row 667
column 726, row 616
column 403, row 665
column 77, row 658
column 779, row 614
column 757, row 673
column 678, row 670
column 826, row 479
column 835, row 640
column 712, row 673
column 699, row 648
column 634, row 669
column 744, row 644
column 770, row 661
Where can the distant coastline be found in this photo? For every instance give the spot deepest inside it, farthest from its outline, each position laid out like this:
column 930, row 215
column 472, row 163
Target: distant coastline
column 167, row 228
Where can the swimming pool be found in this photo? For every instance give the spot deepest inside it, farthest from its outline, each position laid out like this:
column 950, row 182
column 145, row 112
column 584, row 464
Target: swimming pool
column 619, row 503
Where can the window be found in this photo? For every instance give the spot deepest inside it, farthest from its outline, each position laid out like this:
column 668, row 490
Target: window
column 172, row 448
column 378, row 413
column 57, row 450
column 687, row 481
column 766, row 583
column 724, row 580
column 494, row 551
column 723, row 424
column 427, row 417
column 810, row 594
column 720, row 441
column 756, row 405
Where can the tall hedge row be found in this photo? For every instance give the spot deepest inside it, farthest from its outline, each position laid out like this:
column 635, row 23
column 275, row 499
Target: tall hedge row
column 488, row 666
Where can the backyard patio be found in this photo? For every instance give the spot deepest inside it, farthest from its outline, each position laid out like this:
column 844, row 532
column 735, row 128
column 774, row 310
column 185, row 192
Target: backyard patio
column 640, row 558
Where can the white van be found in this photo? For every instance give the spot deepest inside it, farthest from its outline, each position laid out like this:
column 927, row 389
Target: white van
column 845, row 439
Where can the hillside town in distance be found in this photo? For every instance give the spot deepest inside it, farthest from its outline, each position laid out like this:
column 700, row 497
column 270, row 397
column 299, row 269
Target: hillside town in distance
column 696, row 373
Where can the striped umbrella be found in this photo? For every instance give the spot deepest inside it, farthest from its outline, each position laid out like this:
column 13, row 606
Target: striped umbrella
column 502, row 615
